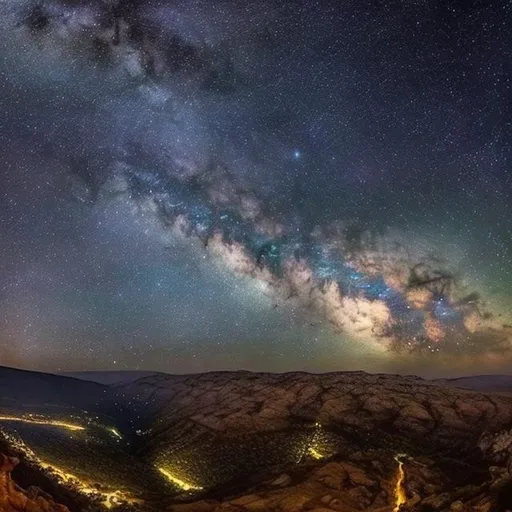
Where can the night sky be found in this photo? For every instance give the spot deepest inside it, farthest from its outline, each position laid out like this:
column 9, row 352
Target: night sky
column 272, row 185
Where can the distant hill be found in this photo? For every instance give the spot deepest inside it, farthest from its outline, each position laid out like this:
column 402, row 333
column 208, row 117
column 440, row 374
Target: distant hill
column 39, row 388
column 33, row 391
column 483, row 383
column 110, row 377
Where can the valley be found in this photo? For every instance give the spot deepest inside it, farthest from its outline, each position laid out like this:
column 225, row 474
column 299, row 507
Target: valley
column 240, row 441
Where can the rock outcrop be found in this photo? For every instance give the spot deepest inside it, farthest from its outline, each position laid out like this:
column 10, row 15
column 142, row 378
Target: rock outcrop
column 15, row 499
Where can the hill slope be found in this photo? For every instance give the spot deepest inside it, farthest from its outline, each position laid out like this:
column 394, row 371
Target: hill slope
column 34, row 387
column 482, row 383
column 242, row 441
column 109, row 377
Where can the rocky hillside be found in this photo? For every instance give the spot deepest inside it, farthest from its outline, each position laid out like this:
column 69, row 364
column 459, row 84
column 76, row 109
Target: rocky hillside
column 23, row 386
column 326, row 442
column 241, row 441
column 233, row 403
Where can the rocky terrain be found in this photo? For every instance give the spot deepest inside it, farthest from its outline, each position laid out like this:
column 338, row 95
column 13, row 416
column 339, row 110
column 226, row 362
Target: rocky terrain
column 241, row 441
column 363, row 483
column 14, row 499
column 331, row 441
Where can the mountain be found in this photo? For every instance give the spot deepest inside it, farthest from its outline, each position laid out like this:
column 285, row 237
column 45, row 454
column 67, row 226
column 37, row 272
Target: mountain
column 242, row 441
column 26, row 386
column 482, row 383
column 109, row 377
column 14, row 499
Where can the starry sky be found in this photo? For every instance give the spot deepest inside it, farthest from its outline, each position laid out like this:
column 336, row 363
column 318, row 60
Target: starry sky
column 199, row 185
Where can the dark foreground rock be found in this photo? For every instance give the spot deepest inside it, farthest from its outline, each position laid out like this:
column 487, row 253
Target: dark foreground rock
column 15, row 499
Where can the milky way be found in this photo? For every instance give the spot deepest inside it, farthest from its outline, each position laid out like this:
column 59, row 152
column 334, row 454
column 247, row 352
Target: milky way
column 201, row 185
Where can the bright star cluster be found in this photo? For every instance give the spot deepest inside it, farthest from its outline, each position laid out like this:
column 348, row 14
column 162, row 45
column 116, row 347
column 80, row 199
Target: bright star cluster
column 191, row 185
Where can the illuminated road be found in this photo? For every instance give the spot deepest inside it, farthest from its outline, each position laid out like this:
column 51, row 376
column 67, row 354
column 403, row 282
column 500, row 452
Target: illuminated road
column 313, row 443
column 109, row 499
column 400, row 497
column 114, row 432
column 41, row 421
column 178, row 481
column 315, row 454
